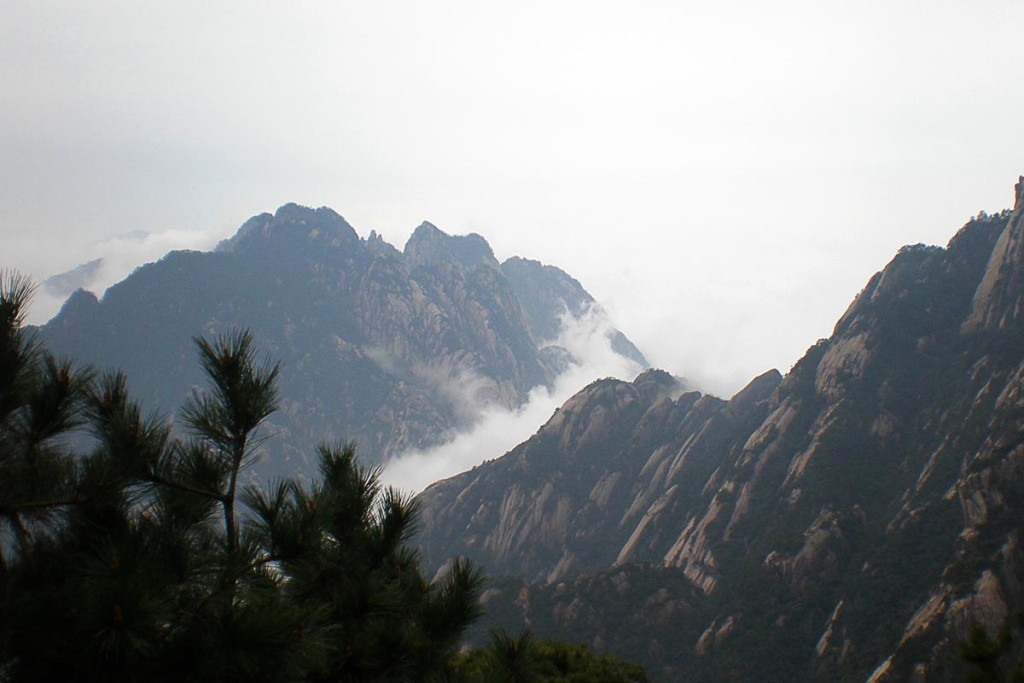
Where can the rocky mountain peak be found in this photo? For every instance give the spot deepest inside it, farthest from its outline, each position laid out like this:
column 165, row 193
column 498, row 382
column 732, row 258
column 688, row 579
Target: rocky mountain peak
column 654, row 384
column 999, row 299
column 294, row 223
column 376, row 244
column 376, row 350
column 757, row 390
column 429, row 245
column 545, row 289
column 849, row 521
column 548, row 293
column 63, row 284
column 81, row 304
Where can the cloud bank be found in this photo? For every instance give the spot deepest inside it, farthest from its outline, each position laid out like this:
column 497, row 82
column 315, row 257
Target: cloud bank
column 497, row 430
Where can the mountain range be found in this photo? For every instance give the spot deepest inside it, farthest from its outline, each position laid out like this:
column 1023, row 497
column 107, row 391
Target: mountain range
column 852, row 520
column 394, row 350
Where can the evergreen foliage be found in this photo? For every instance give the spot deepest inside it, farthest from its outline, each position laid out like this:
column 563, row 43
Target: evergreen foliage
column 145, row 558
column 522, row 659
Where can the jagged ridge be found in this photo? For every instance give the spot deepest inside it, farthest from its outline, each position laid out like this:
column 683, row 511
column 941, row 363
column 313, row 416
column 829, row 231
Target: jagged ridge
column 846, row 521
column 392, row 349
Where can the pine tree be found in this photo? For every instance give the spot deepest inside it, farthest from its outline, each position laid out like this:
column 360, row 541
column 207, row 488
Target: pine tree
column 521, row 659
column 40, row 399
column 341, row 546
column 143, row 558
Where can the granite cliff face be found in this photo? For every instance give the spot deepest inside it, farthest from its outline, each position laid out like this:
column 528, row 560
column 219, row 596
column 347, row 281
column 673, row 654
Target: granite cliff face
column 848, row 521
column 548, row 294
column 391, row 349
column 999, row 300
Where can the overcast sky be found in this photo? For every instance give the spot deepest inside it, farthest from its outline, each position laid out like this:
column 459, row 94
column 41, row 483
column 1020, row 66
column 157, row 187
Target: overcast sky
column 724, row 177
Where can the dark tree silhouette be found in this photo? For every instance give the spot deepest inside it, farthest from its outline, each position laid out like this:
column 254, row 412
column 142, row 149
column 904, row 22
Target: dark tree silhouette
column 143, row 558
column 521, row 659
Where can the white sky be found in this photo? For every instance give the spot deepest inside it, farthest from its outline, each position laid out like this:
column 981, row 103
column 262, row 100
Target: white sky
column 724, row 177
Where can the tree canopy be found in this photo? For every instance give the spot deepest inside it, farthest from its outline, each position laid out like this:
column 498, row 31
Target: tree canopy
column 141, row 555
column 521, row 659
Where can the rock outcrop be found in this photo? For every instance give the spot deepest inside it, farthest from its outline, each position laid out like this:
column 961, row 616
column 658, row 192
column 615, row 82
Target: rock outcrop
column 848, row 521
column 999, row 298
column 393, row 350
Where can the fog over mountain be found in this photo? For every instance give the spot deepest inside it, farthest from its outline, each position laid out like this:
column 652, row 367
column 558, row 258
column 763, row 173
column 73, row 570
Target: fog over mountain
column 603, row 270
column 438, row 347
column 496, row 429
column 857, row 519
column 112, row 260
column 720, row 176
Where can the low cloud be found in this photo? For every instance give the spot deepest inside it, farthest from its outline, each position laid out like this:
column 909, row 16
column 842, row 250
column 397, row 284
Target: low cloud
column 497, row 430
column 463, row 390
column 467, row 393
column 493, row 429
column 109, row 261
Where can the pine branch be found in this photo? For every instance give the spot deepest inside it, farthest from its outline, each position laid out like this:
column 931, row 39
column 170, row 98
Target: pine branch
column 170, row 483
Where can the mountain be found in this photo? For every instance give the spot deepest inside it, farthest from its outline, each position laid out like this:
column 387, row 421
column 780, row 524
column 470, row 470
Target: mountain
column 393, row 349
column 64, row 284
column 849, row 521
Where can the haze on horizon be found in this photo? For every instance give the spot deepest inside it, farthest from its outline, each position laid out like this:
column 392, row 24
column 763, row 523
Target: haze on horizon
column 723, row 179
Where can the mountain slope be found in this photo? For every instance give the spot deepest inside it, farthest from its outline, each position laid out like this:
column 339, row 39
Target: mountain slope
column 847, row 521
column 392, row 349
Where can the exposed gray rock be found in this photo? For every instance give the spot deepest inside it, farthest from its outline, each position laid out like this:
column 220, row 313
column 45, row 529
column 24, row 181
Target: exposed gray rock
column 393, row 350
column 857, row 514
